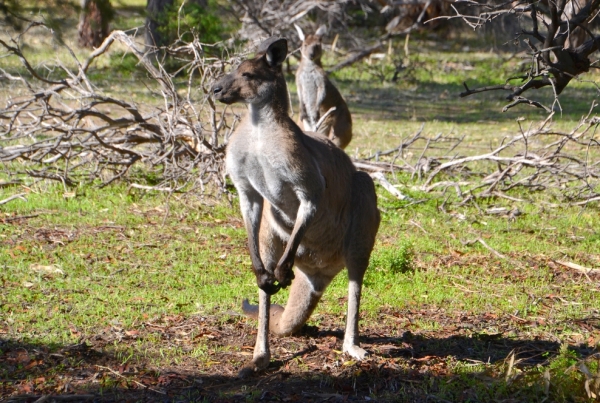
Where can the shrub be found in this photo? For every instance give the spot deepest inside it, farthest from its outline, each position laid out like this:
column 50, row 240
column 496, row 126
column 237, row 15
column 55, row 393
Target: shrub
column 393, row 259
column 183, row 22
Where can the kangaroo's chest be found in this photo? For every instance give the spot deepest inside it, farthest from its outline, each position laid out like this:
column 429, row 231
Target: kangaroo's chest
column 255, row 166
column 312, row 83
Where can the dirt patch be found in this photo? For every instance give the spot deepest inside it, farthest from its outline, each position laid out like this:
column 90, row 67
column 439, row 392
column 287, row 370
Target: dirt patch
column 308, row 367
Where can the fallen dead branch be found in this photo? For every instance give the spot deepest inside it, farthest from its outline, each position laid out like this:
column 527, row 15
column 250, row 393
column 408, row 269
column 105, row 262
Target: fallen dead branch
column 9, row 184
column 18, row 218
column 65, row 128
column 370, row 166
column 118, row 375
column 485, row 245
column 541, row 158
column 579, row 268
column 388, row 186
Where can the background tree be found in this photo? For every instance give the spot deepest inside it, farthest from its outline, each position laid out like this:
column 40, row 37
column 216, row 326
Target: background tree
column 180, row 22
column 94, row 22
column 9, row 10
column 557, row 35
column 155, row 10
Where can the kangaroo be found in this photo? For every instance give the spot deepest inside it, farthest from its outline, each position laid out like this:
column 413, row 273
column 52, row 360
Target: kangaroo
column 317, row 95
column 302, row 200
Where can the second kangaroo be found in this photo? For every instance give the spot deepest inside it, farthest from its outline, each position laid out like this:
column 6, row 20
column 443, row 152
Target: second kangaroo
column 317, row 95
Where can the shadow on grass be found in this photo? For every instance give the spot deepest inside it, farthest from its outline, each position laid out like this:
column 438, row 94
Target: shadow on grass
column 411, row 368
column 441, row 102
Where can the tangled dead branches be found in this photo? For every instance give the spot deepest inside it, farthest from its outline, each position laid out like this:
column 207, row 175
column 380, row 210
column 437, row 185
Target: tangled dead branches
column 565, row 164
column 63, row 127
column 68, row 129
column 557, row 34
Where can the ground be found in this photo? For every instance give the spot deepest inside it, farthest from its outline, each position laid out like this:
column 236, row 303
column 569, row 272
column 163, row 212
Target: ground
column 310, row 367
column 121, row 294
column 457, row 350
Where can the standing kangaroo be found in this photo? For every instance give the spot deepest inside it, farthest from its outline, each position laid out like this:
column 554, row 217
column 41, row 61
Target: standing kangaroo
column 317, row 95
column 302, row 200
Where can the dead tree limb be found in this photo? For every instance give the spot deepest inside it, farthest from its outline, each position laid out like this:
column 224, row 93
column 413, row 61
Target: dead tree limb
column 560, row 44
column 20, row 196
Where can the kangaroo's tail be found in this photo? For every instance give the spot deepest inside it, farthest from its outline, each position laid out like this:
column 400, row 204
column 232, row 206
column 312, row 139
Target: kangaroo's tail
column 301, row 303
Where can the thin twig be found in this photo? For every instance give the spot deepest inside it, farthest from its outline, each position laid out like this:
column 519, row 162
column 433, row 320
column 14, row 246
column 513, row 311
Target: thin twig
column 13, row 197
column 130, row 380
column 485, row 245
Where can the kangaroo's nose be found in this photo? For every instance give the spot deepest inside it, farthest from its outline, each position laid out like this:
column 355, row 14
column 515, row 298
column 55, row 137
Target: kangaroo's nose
column 216, row 89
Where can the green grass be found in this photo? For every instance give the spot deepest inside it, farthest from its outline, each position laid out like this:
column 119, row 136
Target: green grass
column 121, row 261
column 126, row 260
column 103, row 241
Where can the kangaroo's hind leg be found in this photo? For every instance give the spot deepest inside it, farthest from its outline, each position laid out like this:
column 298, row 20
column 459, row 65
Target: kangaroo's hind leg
column 305, row 294
column 360, row 241
column 270, row 249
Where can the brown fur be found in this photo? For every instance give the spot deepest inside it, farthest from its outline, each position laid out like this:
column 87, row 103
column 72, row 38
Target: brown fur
column 317, row 94
column 304, row 204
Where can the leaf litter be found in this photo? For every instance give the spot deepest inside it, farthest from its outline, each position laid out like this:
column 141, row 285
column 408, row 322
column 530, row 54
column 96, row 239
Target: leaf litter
column 176, row 357
column 308, row 367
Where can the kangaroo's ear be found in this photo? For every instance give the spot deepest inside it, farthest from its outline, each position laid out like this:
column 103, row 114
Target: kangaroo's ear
column 322, row 31
column 276, row 53
column 300, row 33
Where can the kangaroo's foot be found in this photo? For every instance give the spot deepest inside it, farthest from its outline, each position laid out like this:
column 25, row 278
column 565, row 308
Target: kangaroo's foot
column 355, row 351
column 257, row 364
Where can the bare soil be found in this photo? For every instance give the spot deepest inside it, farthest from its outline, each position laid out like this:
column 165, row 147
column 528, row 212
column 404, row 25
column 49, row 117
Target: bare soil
column 405, row 362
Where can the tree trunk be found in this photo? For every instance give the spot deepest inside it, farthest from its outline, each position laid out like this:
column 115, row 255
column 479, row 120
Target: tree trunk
column 93, row 22
column 154, row 9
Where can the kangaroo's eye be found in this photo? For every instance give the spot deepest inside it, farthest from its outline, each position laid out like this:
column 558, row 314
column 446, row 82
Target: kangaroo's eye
column 247, row 75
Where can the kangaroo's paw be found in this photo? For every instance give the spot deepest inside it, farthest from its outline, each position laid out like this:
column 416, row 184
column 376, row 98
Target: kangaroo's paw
column 270, row 288
column 307, row 125
column 256, row 365
column 266, row 282
column 355, row 351
column 284, row 272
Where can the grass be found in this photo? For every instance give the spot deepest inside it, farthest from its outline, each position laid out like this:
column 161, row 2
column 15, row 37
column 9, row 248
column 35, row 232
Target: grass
column 149, row 285
column 126, row 261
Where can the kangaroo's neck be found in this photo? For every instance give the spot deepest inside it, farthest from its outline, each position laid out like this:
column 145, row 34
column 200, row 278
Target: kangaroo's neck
column 263, row 115
column 274, row 109
column 311, row 63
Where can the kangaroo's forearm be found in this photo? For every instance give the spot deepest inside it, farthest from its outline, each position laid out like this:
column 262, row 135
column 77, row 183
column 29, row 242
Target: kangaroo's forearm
column 251, row 205
column 304, row 217
column 305, row 214
column 252, row 228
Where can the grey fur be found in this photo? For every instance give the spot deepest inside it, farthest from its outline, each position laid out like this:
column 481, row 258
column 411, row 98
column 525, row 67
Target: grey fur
column 317, row 94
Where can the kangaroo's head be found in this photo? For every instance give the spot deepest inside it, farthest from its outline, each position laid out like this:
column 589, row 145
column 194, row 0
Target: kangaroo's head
column 257, row 80
column 312, row 45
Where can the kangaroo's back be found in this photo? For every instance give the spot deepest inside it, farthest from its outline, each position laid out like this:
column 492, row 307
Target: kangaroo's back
column 322, row 107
